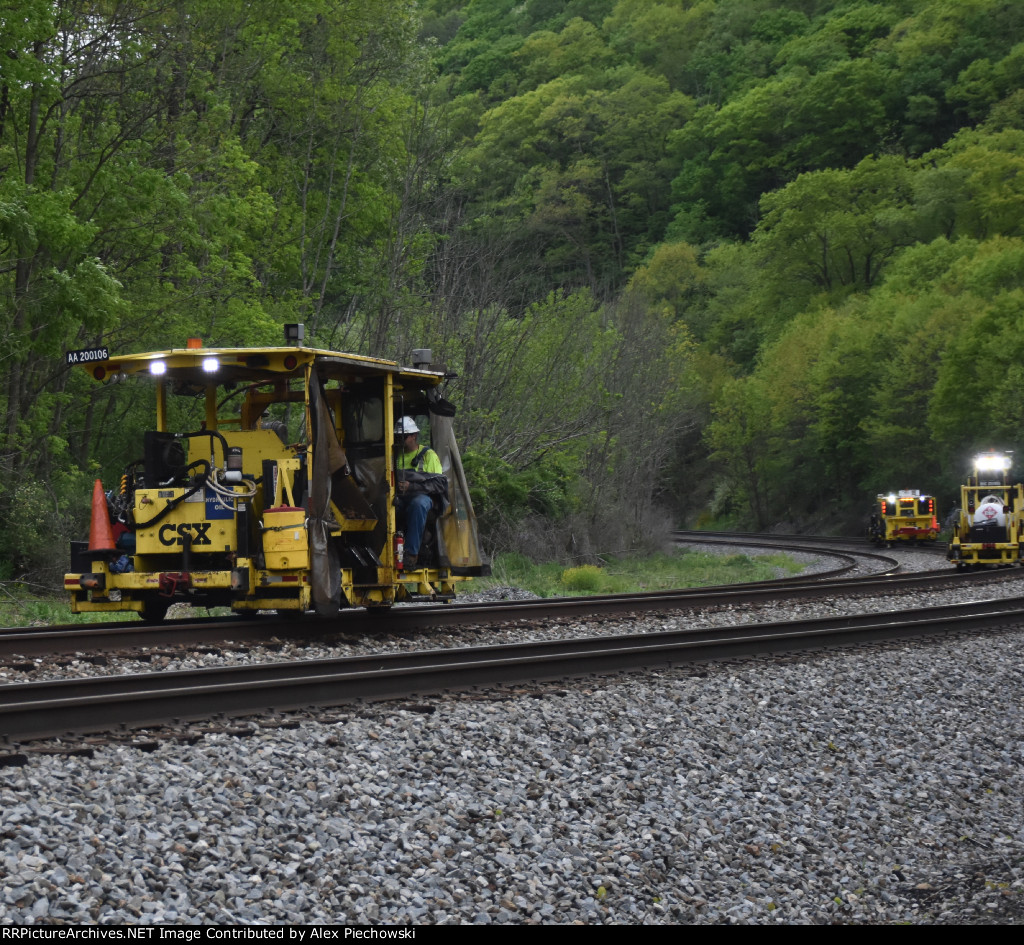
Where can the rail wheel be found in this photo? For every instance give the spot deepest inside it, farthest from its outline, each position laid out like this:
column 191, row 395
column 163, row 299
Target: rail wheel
column 154, row 611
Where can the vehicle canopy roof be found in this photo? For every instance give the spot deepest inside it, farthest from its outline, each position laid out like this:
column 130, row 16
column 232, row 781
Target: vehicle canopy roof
column 246, row 365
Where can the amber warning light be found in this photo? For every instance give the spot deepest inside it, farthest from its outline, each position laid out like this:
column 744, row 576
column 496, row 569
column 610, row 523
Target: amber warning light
column 194, row 343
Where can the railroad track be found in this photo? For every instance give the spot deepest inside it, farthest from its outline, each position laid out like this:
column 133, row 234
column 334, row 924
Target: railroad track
column 848, row 553
column 61, row 707
column 37, row 710
column 841, row 546
column 33, row 642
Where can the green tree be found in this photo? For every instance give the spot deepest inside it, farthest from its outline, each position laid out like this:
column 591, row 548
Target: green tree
column 671, row 280
column 973, row 405
column 581, row 169
column 919, row 319
column 203, row 169
column 833, row 232
column 741, row 442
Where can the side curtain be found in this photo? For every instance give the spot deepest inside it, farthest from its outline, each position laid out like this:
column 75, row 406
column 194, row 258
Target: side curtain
column 325, row 565
column 458, row 537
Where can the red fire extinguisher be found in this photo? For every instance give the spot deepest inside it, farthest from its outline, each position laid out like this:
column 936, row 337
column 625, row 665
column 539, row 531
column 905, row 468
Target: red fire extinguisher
column 399, row 550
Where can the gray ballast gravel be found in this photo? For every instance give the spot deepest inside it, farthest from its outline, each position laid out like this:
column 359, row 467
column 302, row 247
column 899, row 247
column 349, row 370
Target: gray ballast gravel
column 880, row 785
column 876, row 785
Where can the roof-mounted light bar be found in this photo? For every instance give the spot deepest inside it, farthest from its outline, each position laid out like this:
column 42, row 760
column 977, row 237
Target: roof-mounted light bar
column 992, row 462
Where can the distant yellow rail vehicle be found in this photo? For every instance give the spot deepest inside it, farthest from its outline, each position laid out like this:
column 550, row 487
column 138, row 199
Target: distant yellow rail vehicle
column 269, row 481
column 904, row 516
column 991, row 518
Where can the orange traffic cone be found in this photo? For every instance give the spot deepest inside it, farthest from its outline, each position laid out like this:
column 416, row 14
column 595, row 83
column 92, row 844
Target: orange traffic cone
column 101, row 535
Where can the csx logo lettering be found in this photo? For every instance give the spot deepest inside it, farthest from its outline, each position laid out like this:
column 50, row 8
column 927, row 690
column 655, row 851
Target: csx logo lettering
column 175, row 534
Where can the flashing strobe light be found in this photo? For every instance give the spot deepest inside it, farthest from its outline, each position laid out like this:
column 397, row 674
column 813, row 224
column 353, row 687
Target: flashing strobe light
column 210, row 365
column 158, row 368
column 891, row 499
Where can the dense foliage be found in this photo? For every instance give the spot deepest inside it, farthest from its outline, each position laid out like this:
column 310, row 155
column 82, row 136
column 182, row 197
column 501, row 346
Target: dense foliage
column 747, row 260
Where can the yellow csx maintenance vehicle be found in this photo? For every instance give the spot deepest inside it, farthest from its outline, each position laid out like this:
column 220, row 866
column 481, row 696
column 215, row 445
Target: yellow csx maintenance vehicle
column 271, row 480
column 904, row 516
column 991, row 519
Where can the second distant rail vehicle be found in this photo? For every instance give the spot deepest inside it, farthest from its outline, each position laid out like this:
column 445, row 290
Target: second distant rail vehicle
column 904, row 516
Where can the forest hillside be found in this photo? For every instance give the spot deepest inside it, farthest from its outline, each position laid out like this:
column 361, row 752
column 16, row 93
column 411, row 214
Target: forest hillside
column 742, row 262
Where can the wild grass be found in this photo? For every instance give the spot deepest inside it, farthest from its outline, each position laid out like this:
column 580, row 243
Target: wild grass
column 24, row 605
column 625, row 575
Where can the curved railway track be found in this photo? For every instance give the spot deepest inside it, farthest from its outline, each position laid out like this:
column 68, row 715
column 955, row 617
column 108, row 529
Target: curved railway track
column 33, row 642
column 37, row 710
column 884, row 577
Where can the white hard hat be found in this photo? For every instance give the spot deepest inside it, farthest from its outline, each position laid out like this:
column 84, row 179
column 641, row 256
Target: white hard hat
column 406, row 425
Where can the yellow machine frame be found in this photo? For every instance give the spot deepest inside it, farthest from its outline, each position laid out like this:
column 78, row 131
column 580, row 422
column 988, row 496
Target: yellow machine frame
column 234, row 513
column 996, row 543
column 904, row 516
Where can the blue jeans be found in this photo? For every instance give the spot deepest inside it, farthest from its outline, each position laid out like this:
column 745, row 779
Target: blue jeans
column 415, row 509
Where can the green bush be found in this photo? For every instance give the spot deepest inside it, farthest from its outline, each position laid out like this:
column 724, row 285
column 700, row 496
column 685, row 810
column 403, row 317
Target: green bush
column 42, row 517
column 503, row 494
column 513, row 568
column 587, row 578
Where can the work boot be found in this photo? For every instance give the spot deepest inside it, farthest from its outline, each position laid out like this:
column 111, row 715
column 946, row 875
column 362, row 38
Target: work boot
column 409, row 563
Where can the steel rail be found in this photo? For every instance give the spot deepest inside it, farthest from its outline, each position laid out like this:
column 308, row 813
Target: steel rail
column 806, row 544
column 793, row 540
column 235, row 620
column 40, row 642
column 31, row 642
column 37, row 710
column 82, row 637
